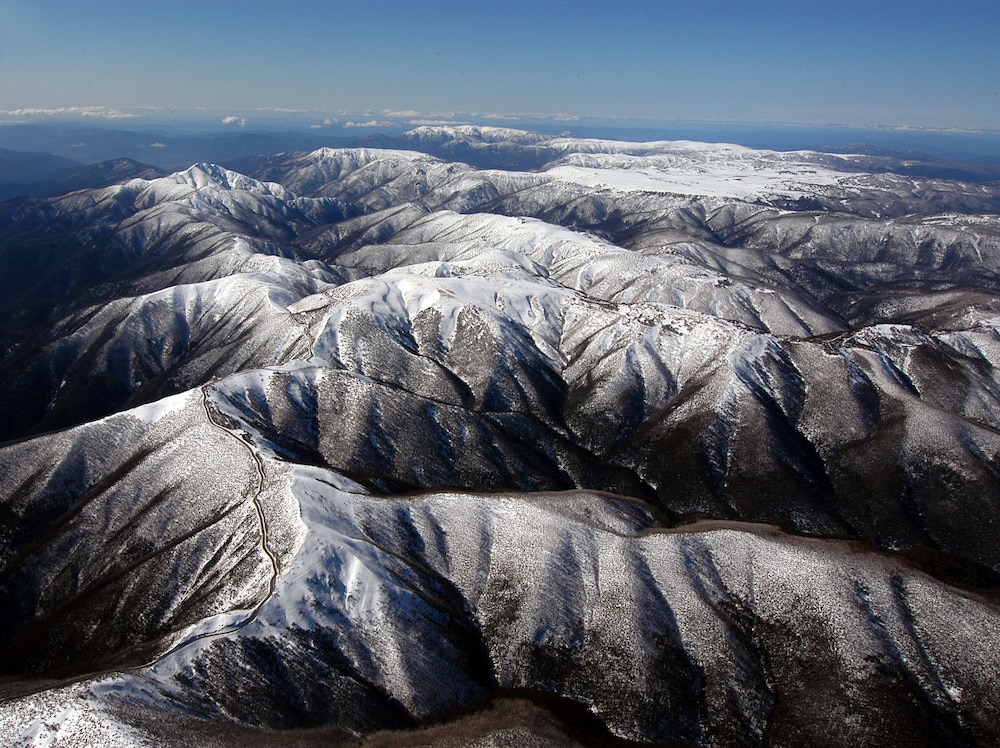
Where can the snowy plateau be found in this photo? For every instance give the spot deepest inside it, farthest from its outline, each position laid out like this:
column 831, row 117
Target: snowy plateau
column 498, row 438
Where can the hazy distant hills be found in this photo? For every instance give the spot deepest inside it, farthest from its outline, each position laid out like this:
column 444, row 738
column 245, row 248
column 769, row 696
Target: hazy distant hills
column 75, row 177
column 165, row 148
column 482, row 434
column 30, row 165
column 20, row 170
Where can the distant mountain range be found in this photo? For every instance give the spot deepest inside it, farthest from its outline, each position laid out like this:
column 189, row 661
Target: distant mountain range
column 42, row 174
column 947, row 155
column 485, row 435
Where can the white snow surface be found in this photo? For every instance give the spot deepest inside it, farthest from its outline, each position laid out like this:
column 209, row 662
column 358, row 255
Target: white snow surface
column 67, row 717
column 678, row 167
column 706, row 173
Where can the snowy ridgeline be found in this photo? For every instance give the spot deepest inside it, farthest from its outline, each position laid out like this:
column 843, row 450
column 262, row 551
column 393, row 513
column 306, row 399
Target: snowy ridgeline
column 268, row 426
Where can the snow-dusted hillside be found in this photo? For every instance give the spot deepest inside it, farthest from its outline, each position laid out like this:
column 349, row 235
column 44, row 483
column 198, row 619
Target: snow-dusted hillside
column 700, row 440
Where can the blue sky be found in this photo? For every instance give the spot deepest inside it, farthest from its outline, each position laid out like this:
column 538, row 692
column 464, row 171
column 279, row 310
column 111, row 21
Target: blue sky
column 915, row 63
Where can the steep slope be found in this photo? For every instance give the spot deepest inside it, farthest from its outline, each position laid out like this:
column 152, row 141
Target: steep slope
column 714, row 634
column 701, row 440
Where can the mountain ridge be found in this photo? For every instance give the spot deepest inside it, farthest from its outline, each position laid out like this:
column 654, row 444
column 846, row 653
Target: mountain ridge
column 677, row 440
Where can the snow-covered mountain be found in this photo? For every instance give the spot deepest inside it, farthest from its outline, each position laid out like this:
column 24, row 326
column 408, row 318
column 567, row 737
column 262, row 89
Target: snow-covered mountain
column 700, row 441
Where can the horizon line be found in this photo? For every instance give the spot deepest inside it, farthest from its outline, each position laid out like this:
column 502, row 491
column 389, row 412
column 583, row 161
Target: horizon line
column 415, row 118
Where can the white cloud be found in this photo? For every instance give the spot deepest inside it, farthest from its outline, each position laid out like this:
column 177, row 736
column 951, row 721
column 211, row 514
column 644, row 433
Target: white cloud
column 81, row 111
column 408, row 114
column 157, row 145
column 372, row 123
column 231, row 120
column 430, row 122
column 957, row 130
column 518, row 116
